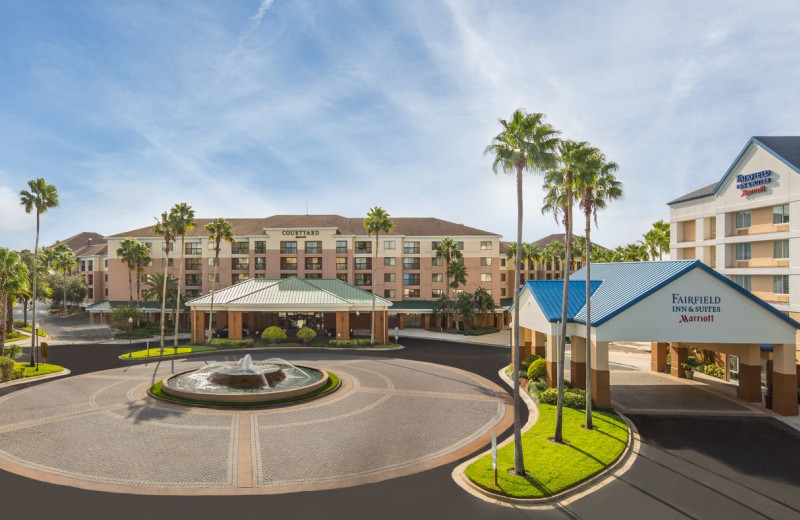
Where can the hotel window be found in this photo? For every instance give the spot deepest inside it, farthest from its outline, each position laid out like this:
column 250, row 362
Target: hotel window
column 486, row 277
column 363, row 279
column 780, row 284
column 213, row 261
column 342, row 277
column 105, row 262
column 169, row 261
column 363, row 264
column 780, row 248
column 193, row 264
column 460, row 246
column 341, row 263
column 211, row 278
column 341, row 246
column 313, row 263
column 411, row 248
column 261, row 247
column 502, row 291
column 314, row 275
column 164, row 246
column 261, row 264
column 742, row 219
column 260, row 276
column 388, row 244
column 91, row 293
column 289, row 248
column 437, row 277
column 435, row 261
column 144, row 278
column 389, row 277
column 363, row 248
column 437, row 293
column 410, row 263
column 486, row 245
column 91, row 280
column 743, row 280
column 90, row 265
column 389, row 260
column 410, row 279
column 106, row 291
column 240, row 278
column 212, row 245
column 743, row 251
column 193, row 248
column 435, row 245
column 240, row 248
column 458, row 291
column 289, row 264
column 486, row 261
column 314, row 247
column 193, row 279
column 389, row 293
column 503, row 278
column 410, row 293
column 241, row 264
column 502, row 262
column 780, row 214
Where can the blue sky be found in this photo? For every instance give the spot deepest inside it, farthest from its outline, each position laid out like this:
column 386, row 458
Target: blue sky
column 248, row 108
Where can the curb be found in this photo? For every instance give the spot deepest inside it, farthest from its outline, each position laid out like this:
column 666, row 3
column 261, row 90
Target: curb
column 34, row 379
column 259, row 349
column 565, row 497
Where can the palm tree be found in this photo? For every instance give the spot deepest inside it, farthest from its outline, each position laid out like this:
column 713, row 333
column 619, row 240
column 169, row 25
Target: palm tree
column 219, row 229
column 663, row 238
column 141, row 258
column 377, row 220
column 651, row 240
column 559, row 200
column 63, row 260
column 525, row 143
column 447, row 250
column 164, row 228
column 483, row 298
column 126, row 252
column 13, row 277
column 182, row 216
column 154, row 288
column 557, row 254
column 535, row 254
column 42, row 196
column 597, row 185
column 457, row 274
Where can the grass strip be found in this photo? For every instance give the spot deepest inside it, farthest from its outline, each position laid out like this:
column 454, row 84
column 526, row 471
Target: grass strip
column 168, row 351
column 554, row 467
column 44, row 368
column 40, row 332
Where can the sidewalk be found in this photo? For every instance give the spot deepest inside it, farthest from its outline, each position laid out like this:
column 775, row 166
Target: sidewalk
column 496, row 339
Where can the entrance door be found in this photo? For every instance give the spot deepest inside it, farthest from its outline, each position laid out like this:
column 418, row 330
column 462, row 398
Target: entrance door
column 733, row 368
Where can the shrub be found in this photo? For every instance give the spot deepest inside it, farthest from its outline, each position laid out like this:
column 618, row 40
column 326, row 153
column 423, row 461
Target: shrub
column 480, row 332
column 18, row 371
column 19, row 323
column 120, row 315
column 273, row 335
column 14, row 335
column 527, row 360
column 573, row 397
column 12, row 351
column 306, row 334
column 536, row 387
column 349, row 342
column 6, row 369
column 537, row 369
column 232, row 343
column 549, row 396
column 715, row 371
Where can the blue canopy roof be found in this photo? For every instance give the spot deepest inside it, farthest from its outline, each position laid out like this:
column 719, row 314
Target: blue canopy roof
column 549, row 294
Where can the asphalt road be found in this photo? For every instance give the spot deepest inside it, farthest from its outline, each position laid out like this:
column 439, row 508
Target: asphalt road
column 689, row 467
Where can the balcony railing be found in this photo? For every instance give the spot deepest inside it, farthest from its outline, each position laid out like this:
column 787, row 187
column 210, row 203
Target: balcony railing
column 241, row 266
column 411, row 250
column 260, row 250
column 313, row 267
column 193, row 250
column 261, row 266
column 289, row 250
column 238, row 250
column 363, row 250
column 363, row 283
column 194, row 280
column 341, row 250
column 288, row 267
column 313, row 250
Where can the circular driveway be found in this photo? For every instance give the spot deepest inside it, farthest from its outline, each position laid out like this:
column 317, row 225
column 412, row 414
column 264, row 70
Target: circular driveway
column 391, row 417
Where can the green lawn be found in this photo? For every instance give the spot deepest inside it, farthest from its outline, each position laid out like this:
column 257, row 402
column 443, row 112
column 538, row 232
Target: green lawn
column 30, row 371
column 168, row 351
column 554, row 467
column 14, row 335
column 135, row 334
column 42, row 334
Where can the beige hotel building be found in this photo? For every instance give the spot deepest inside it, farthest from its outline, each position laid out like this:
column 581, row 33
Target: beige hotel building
column 742, row 225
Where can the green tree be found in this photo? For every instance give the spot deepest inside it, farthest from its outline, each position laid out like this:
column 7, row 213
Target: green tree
column 662, row 237
column 525, row 143
column 41, row 197
column 377, row 221
column 73, row 287
column 63, row 260
column 219, row 229
column 13, row 276
column 449, row 252
column 485, row 303
column 157, row 285
column 165, row 229
column 126, row 252
column 465, row 306
column 141, row 258
column 560, row 187
column 597, row 186
column 182, row 217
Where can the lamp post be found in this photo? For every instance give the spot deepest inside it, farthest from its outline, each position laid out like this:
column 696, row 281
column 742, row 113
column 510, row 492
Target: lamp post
column 130, row 336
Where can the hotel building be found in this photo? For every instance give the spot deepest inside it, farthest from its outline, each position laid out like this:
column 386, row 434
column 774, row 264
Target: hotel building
column 741, row 225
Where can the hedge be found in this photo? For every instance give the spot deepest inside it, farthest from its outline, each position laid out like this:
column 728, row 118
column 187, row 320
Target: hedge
column 10, row 370
column 231, row 343
column 537, row 369
column 274, row 335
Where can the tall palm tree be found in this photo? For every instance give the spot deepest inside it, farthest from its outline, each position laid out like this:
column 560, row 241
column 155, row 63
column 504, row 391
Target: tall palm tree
column 154, row 288
column 485, row 302
column 63, row 260
column 13, row 277
column 559, row 200
column 141, row 258
column 182, row 216
column 126, row 252
column 663, row 238
column 535, row 255
column 41, row 197
column 597, row 186
column 651, row 241
column 377, row 221
column 557, row 254
column 164, row 228
column 525, row 143
column 219, row 229
column 448, row 250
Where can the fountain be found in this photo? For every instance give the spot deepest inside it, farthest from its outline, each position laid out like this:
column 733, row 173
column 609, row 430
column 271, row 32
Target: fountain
column 245, row 382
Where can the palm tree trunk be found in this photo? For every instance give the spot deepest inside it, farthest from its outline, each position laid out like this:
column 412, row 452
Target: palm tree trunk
column 130, row 284
column 138, row 292
column 588, row 231
column 447, row 281
column 519, row 463
column 374, row 284
column 64, row 306
column 562, row 348
column 25, row 312
column 213, row 286
column 164, row 295
column 35, row 268
column 178, row 296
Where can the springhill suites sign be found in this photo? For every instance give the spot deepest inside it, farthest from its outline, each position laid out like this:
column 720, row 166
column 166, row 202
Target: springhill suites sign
column 752, row 183
column 696, row 308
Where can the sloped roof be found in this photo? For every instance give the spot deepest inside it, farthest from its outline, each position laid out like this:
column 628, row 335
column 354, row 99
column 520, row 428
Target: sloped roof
column 785, row 148
column 86, row 243
column 286, row 292
column 108, row 306
column 408, row 226
column 549, row 295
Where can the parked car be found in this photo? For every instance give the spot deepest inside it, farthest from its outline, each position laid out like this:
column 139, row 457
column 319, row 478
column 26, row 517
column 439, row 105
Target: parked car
column 221, row 332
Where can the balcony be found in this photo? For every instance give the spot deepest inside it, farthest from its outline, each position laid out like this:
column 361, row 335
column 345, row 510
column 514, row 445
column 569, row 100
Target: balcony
column 261, row 264
column 411, row 250
column 341, row 250
column 285, row 266
column 194, row 280
column 363, row 250
column 411, row 265
column 313, row 266
column 241, row 266
column 260, row 250
column 193, row 249
column 289, row 250
column 240, row 250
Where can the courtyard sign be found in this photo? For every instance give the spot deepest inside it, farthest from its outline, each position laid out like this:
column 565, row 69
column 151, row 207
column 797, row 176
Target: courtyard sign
column 753, row 182
column 299, row 233
column 696, row 308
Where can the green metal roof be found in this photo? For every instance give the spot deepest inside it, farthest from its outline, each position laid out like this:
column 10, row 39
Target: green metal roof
column 108, row 306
